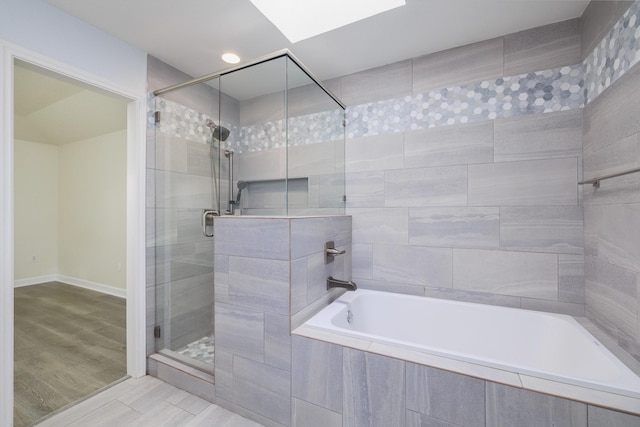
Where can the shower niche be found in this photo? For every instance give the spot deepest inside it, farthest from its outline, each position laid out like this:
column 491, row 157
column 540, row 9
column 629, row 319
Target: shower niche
column 261, row 139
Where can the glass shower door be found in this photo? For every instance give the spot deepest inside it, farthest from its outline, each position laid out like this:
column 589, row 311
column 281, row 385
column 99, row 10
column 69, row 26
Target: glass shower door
column 187, row 175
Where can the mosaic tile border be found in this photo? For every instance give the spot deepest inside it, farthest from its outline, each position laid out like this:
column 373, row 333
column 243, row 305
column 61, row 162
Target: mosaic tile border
column 185, row 123
column 533, row 93
column 545, row 91
column 618, row 51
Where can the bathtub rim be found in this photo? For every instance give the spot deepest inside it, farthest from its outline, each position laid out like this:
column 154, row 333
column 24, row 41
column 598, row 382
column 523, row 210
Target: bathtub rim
column 557, row 388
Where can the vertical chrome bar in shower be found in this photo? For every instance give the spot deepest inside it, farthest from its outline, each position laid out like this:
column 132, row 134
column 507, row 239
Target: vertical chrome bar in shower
column 229, row 154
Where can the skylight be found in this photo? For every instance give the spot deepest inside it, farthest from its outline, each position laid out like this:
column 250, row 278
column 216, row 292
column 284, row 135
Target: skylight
column 302, row 19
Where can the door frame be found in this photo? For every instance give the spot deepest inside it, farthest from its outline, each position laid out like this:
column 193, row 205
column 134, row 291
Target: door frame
column 135, row 223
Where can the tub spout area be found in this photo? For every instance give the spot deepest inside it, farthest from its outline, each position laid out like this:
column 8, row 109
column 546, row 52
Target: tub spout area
column 335, row 283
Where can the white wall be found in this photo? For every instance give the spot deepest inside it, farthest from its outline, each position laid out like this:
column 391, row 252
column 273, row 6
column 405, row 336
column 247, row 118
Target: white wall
column 36, row 210
column 92, row 210
column 70, row 212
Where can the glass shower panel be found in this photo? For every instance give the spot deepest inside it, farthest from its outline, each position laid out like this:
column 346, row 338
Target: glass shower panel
column 259, row 185
column 315, row 145
column 188, row 176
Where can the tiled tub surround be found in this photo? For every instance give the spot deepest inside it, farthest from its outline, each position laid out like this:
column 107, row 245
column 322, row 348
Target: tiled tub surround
column 344, row 382
column 539, row 354
column 501, row 223
column 482, row 204
column 611, row 144
column 269, row 277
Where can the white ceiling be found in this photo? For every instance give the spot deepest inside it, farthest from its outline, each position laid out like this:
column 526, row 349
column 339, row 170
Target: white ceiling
column 52, row 109
column 191, row 35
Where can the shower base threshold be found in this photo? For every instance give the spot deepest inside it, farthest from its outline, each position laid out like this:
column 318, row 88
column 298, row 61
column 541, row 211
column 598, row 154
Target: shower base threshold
column 182, row 375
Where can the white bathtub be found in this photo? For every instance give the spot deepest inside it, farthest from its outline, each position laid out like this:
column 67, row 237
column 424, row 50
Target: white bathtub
column 541, row 348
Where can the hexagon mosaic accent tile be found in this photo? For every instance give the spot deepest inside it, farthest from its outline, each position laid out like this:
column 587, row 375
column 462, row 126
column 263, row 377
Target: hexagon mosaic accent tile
column 618, row 51
column 538, row 92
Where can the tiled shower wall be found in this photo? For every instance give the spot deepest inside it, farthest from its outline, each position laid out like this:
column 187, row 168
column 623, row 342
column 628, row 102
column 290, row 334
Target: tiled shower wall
column 179, row 258
column 475, row 197
column 268, row 273
column 478, row 199
column 611, row 143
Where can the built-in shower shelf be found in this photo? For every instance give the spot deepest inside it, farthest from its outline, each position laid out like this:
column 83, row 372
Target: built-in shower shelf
column 269, row 196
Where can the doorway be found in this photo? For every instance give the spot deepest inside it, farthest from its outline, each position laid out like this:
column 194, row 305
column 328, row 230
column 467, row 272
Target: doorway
column 133, row 268
column 70, row 147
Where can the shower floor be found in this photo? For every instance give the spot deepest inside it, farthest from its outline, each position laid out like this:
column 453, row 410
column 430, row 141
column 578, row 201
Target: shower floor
column 201, row 350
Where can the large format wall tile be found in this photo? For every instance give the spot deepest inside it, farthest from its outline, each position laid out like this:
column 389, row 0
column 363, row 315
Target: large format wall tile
column 597, row 20
column 618, row 234
column 179, row 190
column 601, row 417
column 374, row 153
column 571, row 278
column 541, row 48
column 263, row 389
column 309, row 415
column 536, row 182
column 362, row 261
column 542, row 136
column 522, row 274
column 509, row 406
column 373, row 389
column 458, row 227
column 384, row 82
column 277, row 341
column 449, row 145
column 471, row 63
column 442, row 186
column 316, row 373
column 443, row 395
column 240, row 331
column 311, row 159
column 365, row 189
column 261, row 238
column 611, row 294
column 555, row 229
column 260, row 284
column 617, row 157
column 413, row 265
column 615, row 114
column 306, row 234
column 382, row 225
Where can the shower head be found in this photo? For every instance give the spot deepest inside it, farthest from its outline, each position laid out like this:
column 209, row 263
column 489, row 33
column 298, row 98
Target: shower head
column 241, row 186
column 220, row 133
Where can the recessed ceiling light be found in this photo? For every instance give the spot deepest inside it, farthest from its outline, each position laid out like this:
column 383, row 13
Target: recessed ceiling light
column 230, row 58
column 299, row 20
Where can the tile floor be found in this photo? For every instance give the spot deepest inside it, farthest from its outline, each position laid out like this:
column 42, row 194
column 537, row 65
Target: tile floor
column 146, row 401
column 201, row 350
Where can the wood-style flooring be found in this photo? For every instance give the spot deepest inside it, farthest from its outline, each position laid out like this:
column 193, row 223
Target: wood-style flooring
column 69, row 342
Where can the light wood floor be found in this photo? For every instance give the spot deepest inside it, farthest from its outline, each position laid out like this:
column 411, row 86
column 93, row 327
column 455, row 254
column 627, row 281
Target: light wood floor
column 69, row 342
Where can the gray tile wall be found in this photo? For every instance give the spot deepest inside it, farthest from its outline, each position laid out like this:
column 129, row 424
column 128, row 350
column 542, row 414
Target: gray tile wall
column 611, row 144
column 269, row 276
column 179, row 259
column 499, row 195
column 597, row 20
column 485, row 211
column 347, row 387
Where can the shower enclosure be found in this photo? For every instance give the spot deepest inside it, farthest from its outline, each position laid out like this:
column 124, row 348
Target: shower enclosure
column 265, row 138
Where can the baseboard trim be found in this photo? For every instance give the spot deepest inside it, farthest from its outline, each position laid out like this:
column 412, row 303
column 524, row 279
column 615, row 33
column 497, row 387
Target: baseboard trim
column 73, row 281
column 35, row 280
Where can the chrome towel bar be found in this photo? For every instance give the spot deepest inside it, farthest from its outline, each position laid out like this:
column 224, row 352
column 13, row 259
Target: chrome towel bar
column 596, row 181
